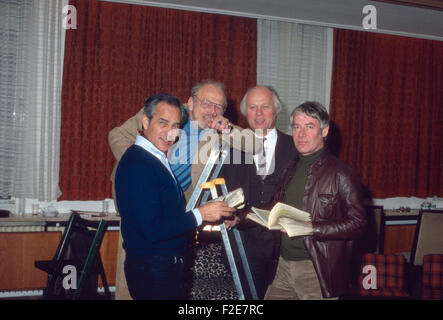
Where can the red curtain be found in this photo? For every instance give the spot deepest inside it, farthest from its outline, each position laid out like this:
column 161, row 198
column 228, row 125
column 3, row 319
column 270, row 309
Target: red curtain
column 119, row 55
column 387, row 102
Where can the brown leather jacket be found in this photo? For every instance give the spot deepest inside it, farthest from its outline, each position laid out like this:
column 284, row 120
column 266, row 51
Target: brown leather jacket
column 333, row 196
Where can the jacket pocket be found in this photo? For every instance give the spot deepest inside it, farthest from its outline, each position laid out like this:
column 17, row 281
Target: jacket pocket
column 327, row 205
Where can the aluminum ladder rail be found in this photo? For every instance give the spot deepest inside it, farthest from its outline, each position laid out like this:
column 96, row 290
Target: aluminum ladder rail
column 217, row 157
column 240, row 247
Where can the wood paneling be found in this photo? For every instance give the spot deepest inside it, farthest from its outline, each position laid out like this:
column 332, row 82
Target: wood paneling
column 18, row 251
column 398, row 238
column 108, row 252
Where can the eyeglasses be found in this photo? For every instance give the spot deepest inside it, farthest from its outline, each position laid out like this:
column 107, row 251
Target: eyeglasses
column 206, row 104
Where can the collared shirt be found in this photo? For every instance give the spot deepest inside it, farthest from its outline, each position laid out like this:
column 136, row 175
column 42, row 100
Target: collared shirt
column 149, row 147
column 269, row 144
column 182, row 153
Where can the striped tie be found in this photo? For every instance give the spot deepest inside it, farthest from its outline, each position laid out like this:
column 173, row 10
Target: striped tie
column 262, row 161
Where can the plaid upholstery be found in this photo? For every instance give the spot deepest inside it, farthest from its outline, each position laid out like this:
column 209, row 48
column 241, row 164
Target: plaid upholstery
column 390, row 275
column 433, row 277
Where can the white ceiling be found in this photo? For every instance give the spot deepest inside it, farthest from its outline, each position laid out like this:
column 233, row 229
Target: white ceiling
column 347, row 14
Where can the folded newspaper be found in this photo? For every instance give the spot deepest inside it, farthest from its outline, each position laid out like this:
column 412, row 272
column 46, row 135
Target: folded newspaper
column 294, row 221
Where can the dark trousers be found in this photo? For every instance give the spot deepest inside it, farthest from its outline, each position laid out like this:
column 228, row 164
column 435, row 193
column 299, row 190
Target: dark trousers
column 154, row 277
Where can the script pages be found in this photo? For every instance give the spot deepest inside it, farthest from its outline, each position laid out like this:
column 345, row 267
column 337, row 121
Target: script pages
column 296, row 222
column 234, row 199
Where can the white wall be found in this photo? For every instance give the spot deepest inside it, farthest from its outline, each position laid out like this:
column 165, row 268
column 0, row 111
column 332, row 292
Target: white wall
column 346, row 14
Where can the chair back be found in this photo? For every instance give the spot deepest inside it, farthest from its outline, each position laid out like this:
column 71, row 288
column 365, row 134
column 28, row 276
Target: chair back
column 389, row 274
column 374, row 239
column 79, row 247
column 428, row 236
column 379, row 218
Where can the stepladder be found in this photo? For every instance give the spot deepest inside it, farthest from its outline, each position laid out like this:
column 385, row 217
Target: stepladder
column 207, row 187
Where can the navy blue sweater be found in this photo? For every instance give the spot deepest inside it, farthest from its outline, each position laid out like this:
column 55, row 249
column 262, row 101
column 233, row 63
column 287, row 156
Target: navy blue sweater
column 152, row 209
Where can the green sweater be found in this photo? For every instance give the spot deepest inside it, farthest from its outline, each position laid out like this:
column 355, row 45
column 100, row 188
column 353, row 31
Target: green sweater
column 293, row 248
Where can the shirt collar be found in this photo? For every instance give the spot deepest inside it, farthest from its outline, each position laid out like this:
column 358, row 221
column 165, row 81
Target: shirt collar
column 192, row 128
column 271, row 137
column 148, row 146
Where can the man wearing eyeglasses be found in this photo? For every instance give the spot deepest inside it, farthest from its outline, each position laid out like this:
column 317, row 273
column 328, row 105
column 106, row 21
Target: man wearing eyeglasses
column 206, row 107
column 207, row 104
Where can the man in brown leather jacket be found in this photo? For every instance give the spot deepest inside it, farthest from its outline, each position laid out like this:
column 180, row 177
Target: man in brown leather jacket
column 317, row 266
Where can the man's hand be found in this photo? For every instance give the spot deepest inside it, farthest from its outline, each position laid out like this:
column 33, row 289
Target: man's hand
column 231, row 223
column 214, row 211
column 219, row 123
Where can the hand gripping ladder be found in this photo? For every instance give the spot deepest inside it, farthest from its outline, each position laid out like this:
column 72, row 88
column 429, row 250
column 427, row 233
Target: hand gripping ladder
column 218, row 156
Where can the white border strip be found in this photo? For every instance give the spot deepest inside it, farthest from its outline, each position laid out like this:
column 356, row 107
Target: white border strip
column 36, row 293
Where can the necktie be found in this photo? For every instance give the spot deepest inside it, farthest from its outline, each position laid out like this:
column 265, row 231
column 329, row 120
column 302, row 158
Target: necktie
column 262, row 161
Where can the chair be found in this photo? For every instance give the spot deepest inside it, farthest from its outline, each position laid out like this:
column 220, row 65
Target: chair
column 428, row 237
column 389, row 272
column 376, row 228
column 373, row 239
column 432, row 280
column 371, row 242
column 79, row 247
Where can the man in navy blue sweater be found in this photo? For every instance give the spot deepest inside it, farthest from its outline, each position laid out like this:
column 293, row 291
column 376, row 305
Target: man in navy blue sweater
column 154, row 223
column 206, row 106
